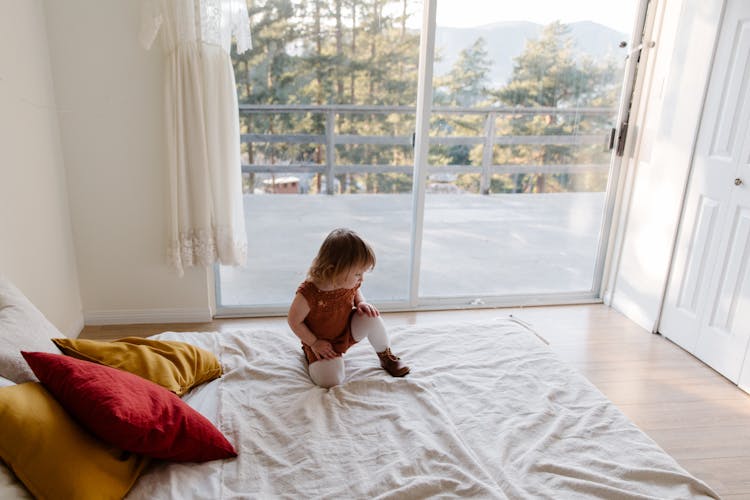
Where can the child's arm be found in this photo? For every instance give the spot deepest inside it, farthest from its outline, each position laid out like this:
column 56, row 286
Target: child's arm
column 363, row 307
column 296, row 318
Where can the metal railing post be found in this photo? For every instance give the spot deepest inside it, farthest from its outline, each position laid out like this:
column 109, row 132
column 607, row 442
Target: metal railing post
column 489, row 141
column 330, row 150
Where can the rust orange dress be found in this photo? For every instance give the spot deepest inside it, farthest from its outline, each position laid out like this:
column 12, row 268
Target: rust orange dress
column 330, row 316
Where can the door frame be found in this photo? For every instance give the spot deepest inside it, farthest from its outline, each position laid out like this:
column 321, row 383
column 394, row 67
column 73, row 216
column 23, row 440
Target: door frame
column 421, row 144
column 637, row 73
column 631, row 90
column 602, row 265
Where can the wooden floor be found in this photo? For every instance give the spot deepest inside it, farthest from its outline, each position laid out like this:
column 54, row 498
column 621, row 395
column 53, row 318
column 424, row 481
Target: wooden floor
column 695, row 414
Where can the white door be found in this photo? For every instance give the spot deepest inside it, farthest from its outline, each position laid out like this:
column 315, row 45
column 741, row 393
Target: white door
column 707, row 308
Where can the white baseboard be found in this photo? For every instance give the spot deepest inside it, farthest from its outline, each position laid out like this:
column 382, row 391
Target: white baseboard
column 137, row 316
column 633, row 311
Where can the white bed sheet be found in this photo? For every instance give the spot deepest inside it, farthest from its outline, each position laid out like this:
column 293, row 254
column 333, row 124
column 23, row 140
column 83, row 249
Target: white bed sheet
column 488, row 411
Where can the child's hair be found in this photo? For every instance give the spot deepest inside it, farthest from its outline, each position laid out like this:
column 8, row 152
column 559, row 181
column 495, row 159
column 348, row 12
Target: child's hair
column 342, row 250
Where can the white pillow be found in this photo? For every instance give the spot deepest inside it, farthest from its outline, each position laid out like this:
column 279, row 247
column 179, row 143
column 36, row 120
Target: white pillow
column 10, row 486
column 4, row 382
column 22, row 328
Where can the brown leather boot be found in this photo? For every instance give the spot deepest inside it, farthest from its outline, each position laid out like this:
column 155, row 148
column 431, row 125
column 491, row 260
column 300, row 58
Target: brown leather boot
column 392, row 363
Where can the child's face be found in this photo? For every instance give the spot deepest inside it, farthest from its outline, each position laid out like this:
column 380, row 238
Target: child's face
column 353, row 277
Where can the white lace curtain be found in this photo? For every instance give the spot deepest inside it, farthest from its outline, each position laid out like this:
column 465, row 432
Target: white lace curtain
column 202, row 118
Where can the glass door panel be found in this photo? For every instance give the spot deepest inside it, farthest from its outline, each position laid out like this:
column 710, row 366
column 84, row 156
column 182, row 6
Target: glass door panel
column 525, row 95
column 327, row 97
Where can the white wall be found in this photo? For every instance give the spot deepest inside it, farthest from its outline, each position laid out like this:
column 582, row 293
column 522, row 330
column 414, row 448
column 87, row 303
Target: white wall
column 36, row 244
column 113, row 141
column 659, row 171
column 108, row 100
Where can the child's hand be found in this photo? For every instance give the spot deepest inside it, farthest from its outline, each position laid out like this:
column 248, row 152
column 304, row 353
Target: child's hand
column 323, row 349
column 368, row 309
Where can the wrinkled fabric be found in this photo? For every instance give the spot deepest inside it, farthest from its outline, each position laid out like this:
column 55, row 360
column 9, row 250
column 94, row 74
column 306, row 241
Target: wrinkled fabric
column 495, row 415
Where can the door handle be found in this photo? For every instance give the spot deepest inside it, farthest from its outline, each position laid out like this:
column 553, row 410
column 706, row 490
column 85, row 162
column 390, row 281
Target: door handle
column 737, row 181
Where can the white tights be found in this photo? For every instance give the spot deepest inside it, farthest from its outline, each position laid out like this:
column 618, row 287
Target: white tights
column 330, row 372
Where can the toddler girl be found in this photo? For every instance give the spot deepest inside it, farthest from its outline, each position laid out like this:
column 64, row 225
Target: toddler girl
column 329, row 313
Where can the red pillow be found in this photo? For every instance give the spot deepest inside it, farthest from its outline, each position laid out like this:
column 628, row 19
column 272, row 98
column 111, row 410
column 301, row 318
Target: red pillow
column 129, row 412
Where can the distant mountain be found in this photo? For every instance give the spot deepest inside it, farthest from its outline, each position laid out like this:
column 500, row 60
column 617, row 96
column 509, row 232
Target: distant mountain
column 506, row 41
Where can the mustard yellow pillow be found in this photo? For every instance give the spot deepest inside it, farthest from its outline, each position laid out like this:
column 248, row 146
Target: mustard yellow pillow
column 176, row 366
column 54, row 457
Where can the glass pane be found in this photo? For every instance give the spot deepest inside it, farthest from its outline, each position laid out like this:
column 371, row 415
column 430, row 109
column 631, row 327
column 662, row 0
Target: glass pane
column 327, row 98
column 525, row 95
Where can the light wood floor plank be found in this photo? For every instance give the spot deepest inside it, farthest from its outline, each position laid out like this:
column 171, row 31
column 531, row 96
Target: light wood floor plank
column 689, row 414
column 725, row 474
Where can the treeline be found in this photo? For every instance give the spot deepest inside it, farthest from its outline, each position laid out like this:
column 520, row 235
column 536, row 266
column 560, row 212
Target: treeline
column 362, row 52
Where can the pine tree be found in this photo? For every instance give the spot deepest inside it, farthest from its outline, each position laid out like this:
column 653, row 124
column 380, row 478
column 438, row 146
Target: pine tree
column 549, row 74
column 466, row 85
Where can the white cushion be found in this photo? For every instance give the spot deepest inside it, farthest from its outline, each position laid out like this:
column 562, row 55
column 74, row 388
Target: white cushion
column 10, row 486
column 22, row 328
column 4, row 382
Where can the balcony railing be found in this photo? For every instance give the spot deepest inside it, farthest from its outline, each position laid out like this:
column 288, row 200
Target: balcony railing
column 489, row 138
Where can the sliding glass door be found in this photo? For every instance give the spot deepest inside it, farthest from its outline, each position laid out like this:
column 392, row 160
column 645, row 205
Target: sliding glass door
column 471, row 151
column 327, row 105
column 525, row 97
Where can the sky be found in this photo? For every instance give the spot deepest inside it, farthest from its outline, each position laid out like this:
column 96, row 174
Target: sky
column 616, row 14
